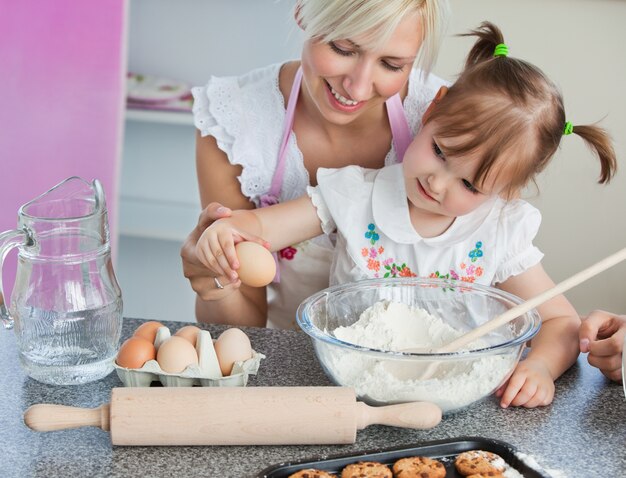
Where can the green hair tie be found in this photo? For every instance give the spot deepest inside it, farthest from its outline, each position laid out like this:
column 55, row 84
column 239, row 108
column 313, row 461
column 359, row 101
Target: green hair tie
column 501, row 50
column 569, row 128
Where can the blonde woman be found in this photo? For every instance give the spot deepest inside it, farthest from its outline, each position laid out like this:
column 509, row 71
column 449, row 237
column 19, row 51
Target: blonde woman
column 356, row 97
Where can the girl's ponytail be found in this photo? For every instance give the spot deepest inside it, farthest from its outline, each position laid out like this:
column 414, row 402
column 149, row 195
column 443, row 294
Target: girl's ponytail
column 489, row 36
column 516, row 115
column 599, row 141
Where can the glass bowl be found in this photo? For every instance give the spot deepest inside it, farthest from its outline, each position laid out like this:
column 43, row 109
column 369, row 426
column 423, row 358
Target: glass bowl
column 384, row 374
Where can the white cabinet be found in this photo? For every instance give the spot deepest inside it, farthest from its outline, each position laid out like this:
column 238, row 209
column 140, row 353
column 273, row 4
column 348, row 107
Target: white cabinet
column 159, row 194
column 159, row 205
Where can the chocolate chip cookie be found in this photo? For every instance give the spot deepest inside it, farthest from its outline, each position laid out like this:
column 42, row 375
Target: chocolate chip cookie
column 479, row 462
column 366, row 469
column 419, row 467
column 311, row 473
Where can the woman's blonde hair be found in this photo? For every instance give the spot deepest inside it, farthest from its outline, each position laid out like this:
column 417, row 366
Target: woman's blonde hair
column 511, row 111
column 331, row 20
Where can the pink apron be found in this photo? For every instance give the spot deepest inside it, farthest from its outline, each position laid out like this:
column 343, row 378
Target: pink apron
column 303, row 269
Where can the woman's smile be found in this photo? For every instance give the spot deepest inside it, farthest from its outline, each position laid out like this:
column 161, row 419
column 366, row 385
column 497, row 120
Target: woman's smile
column 340, row 102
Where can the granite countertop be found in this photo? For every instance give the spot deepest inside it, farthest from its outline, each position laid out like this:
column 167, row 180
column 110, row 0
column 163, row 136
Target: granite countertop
column 582, row 434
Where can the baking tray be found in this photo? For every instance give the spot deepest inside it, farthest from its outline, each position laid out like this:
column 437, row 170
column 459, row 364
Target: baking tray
column 442, row 450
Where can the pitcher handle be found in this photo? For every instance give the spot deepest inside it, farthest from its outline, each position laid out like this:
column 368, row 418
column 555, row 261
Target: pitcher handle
column 9, row 240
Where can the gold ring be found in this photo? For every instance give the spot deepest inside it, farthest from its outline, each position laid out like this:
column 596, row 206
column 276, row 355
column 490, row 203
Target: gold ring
column 217, row 283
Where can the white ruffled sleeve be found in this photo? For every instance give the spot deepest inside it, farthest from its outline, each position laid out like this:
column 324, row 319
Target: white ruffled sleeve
column 245, row 116
column 521, row 223
column 326, row 218
column 206, row 112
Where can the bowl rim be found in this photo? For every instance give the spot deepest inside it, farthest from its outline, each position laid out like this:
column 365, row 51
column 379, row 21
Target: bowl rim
column 305, row 324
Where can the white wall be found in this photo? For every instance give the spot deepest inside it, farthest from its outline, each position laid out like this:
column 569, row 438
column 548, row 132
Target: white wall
column 194, row 39
column 578, row 43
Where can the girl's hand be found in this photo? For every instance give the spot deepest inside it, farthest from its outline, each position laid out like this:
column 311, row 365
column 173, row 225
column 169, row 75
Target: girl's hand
column 531, row 385
column 216, row 248
column 202, row 279
column 602, row 335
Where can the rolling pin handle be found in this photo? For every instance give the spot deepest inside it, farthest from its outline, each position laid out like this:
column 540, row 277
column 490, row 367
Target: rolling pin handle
column 46, row 417
column 418, row 415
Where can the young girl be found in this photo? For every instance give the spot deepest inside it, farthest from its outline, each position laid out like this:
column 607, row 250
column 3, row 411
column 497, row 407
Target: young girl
column 450, row 209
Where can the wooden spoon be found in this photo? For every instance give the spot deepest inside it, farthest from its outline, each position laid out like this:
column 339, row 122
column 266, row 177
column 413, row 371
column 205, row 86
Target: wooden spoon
column 518, row 310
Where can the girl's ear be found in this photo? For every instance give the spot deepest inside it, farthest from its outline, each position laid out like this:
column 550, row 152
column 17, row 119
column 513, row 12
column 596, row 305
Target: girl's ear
column 440, row 94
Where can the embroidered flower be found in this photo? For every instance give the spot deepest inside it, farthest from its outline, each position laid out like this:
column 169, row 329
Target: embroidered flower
column 373, row 265
column 476, row 254
column 470, row 272
column 395, row 270
column 371, row 233
column 374, row 257
column 288, row 253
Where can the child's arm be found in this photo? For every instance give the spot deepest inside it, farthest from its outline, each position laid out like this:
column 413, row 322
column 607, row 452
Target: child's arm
column 280, row 225
column 602, row 335
column 553, row 350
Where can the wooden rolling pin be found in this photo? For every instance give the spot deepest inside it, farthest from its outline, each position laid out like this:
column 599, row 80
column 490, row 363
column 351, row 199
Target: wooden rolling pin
column 232, row 416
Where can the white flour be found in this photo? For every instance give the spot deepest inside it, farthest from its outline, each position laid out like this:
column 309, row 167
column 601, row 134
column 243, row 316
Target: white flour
column 531, row 462
column 396, row 326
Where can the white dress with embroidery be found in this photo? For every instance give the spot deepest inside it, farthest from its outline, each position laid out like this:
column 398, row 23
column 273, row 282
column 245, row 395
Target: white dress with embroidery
column 245, row 114
column 375, row 239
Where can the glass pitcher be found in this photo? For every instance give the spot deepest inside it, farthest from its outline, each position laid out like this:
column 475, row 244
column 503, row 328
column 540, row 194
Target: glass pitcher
column 66, row 304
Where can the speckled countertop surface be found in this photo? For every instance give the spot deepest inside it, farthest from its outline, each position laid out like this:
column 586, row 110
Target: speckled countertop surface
column 582, row 434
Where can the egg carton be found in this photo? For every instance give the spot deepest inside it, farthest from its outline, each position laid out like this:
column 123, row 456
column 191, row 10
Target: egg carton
column 207, row 373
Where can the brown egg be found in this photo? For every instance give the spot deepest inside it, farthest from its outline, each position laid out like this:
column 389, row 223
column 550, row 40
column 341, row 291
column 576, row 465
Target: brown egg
column 233, row 345
column 189, row 332
column 257, row 267
column 148, row 330
column 135, row 352
column 176, row 354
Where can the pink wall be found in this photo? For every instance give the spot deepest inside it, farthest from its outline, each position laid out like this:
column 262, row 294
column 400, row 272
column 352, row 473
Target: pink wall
column 62, row 70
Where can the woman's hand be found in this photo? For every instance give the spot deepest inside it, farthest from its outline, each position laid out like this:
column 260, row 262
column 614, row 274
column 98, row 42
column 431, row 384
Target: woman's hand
column 201, row 278
column 602, row 335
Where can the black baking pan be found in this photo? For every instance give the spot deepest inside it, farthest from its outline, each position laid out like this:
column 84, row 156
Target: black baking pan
column 442, row 450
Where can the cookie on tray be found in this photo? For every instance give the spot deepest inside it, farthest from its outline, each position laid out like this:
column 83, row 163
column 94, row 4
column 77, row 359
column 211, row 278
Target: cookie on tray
column 479, row 462
column 366, row 469
column 311, row 473
column 419, row 467
column 491, row 474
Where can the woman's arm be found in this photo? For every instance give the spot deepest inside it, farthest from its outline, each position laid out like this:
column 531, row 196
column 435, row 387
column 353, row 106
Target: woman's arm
column 602, row 336
column 218, row 183
column 553, row 350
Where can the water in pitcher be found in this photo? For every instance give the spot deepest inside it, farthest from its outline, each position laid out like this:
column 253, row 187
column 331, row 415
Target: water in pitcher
column 69, row 348
column 66, row 303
